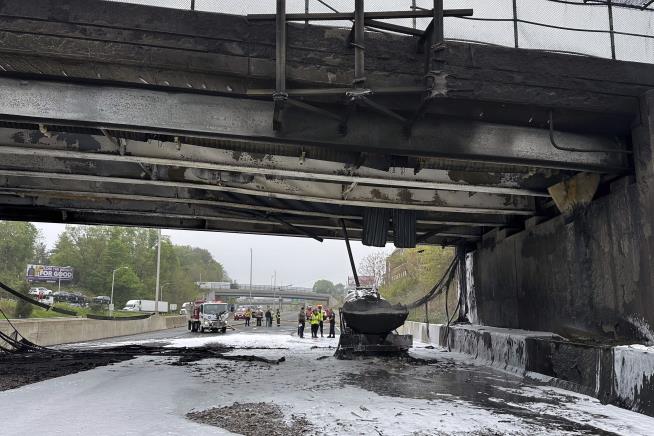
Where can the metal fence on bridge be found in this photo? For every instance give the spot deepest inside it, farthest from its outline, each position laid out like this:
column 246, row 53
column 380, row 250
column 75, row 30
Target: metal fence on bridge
column 234, row 286
column 618, row 29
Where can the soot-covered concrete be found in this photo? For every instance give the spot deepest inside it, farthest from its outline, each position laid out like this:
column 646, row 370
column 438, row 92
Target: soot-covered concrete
column 583, row 275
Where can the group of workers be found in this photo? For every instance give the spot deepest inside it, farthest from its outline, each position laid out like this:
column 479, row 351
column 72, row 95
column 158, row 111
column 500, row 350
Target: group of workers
column 259, row 315
column 316, row 316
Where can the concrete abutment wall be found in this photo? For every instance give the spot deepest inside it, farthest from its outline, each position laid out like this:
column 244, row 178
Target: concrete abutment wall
column 589, row 273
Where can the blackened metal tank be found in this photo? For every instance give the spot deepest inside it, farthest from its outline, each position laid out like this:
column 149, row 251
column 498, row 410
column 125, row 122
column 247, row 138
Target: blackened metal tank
column 366, row 312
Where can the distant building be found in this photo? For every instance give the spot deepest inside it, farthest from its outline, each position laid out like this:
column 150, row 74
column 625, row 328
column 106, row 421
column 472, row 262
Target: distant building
column 422, row 263
column 396, row 266
column 363, row 281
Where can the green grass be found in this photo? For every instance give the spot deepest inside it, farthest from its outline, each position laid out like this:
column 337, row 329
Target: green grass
column 7, row 306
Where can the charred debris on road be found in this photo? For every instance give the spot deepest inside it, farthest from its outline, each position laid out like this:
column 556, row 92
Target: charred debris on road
column 32, row 364
column 23, row 362
column 246, row 418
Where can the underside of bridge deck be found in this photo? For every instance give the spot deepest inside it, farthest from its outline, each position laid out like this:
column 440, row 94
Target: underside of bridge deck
column 134, row 115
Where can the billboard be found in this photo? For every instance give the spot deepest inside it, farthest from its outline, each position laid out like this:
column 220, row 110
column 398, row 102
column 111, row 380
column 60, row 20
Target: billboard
column 48, row 273
column 366, row 281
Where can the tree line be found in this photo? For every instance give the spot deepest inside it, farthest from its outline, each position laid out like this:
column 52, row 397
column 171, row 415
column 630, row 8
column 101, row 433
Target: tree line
column 95, row 251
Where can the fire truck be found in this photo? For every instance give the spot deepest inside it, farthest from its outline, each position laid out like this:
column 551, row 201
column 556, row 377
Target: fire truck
column 207, row 315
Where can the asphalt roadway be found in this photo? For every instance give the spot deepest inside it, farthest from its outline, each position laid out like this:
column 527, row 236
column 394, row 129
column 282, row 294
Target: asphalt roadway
column 451, row 394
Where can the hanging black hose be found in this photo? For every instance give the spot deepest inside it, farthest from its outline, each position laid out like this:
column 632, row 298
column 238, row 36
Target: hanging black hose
column 349, row 253
column 447, row 314
column 449, row 320
column 443, row 284
column 36, row 302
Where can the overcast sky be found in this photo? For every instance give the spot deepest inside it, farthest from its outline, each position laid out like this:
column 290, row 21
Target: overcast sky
column 298, row 261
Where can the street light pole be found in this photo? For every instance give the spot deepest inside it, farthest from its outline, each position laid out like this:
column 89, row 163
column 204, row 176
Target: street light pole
column 162, row 288
column 113, row 280
column 156, row 293
column 250, row 275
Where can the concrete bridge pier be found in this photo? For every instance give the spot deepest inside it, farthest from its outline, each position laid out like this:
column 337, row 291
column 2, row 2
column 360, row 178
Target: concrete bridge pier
column 587, row 273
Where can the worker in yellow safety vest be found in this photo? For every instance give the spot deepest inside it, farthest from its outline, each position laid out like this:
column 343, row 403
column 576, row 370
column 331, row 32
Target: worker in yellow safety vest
column 315, row 323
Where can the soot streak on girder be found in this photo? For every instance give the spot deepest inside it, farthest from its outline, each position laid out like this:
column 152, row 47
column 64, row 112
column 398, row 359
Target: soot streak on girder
column 201, row 115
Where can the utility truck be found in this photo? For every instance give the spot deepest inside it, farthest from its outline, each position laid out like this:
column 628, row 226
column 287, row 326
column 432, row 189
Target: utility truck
column 207, row 315
column 145, row 306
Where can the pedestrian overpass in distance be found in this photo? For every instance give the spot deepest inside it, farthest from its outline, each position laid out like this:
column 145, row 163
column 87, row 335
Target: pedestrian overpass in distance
column 216, row 290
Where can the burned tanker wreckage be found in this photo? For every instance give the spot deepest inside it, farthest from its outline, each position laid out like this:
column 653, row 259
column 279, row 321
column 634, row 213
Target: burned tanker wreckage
column 367, row 326
column 369, row 322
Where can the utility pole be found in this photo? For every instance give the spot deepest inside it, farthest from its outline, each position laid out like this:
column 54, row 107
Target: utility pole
column 275, row 285
column 156, row 293
column 414, row 8
column 250, row 275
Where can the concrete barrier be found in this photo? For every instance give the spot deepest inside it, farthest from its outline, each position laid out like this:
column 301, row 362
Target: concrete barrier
column 55, row 331
column 633, row 377
column 500, row 347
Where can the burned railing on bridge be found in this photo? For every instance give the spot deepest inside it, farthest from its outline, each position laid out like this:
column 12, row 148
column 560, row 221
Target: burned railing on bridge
column 617, row 29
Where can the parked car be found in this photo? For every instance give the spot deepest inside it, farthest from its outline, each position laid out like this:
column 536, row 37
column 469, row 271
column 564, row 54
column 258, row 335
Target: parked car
column 101, row 299
column 239, row 314
column 39, row 290
column 74, row 299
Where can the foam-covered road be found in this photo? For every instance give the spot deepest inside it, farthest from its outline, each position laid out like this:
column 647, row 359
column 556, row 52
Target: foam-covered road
column 151, row 395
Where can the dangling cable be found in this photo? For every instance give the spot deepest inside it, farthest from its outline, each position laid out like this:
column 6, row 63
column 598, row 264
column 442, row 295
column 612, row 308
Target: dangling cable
column 438, row 288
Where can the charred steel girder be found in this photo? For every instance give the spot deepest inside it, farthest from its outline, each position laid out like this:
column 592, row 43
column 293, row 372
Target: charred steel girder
column 65, row 205
column 313, row 192
column 213, row 116
column 104, row 176
column 167, row 155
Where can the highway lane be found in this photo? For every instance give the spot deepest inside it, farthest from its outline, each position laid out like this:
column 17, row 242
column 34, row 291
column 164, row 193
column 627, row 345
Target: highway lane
column 452, row 394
